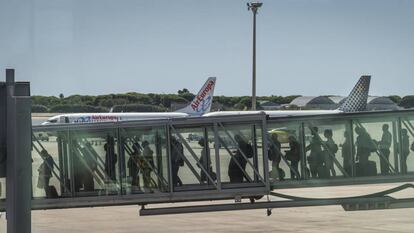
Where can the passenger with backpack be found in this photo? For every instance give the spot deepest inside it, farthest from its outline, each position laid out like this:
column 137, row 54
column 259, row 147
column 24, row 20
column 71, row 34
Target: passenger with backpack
column 293, row 155
column 384, row 149
column 205, row 162
column 45, row 172
column 177, row 161
column 315, row 158
column 237, row 165
column 147, row 164
column 275, row 155
column 365, row 146
column 330, row 150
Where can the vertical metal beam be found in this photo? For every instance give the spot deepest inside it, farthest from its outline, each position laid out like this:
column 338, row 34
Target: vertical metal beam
column 302, row 141
column 71, row 164
column 255, row 154
column 19, row 175
column 217, row 154
column 395, row 139
column 265, row 152
column 169, row 145
column 400, row 146
column 353, row 150
column 121, row 161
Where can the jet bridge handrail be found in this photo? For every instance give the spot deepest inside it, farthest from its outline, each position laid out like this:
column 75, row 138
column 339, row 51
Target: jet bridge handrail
column 51, row 168
column 281, row 155
column 409, row 127
column 242, row 153
column 409, row 123
column 100, row 162
column 330, row 153
column 43, row 148
column 95, row 156
column 82, row 159
column 235, row 160
column 130, row 152
column 102, row 173
column 194, row 156
column 378, row 152
column 154, row 169
column 187, row 162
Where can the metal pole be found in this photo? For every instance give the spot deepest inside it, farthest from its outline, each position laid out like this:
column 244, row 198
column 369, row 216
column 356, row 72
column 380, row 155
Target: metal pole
column 254, row 6
column 254, row 61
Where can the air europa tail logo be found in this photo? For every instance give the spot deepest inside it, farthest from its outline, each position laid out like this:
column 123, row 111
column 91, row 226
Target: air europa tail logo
column 199, row 98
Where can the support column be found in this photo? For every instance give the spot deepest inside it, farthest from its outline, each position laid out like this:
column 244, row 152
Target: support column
column 19, row 165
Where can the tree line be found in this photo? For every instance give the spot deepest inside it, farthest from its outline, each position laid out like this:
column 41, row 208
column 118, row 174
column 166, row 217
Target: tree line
column 138, row 102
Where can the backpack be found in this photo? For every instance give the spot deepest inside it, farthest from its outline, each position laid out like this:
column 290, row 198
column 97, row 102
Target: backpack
column 335, row 148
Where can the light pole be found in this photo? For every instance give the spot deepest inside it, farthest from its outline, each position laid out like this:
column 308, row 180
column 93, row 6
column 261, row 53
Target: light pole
column 254, row 6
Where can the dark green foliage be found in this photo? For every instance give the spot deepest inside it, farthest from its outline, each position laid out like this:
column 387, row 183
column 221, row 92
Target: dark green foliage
column 187, row 95
column 152, row 102
column 407, row 101
column 39, row 108
column 69, row 108
column 279, row 99
column 47, row 101
column 245, row 103
column 137, row 108
column 226, row 100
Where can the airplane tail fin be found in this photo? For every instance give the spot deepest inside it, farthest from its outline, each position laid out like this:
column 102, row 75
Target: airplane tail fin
column 357, row 99
column 202, row 102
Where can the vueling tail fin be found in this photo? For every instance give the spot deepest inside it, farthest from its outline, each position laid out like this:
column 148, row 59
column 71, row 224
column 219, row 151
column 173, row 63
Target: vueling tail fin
column 202, row 102
column 357, row 99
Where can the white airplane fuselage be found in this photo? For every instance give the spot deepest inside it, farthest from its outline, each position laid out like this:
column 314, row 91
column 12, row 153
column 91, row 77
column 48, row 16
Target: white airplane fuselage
column 111, row 117
column 281, row 113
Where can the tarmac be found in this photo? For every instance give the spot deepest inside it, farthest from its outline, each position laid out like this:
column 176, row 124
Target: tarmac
column 125, row 219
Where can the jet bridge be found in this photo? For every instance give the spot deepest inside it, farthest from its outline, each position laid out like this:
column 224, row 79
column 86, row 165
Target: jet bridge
column 149, row 161
column 217, row 158
column 370, row 147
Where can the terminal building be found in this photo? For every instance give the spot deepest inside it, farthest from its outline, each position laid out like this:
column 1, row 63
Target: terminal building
column 374, row 103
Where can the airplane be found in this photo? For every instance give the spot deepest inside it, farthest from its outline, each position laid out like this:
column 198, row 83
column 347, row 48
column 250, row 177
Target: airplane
column 355, row 102
column 200, row 105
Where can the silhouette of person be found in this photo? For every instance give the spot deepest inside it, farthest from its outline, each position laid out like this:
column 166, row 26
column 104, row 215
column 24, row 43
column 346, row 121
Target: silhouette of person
column 110, row 158
column 238, row 163
column 275, row 156
column 405, row 146
column 364, row 145
column 45, row 171
column 330, row 150
column 293, row 155
column 177, row 151
column 347, row 153
column 147, row 163
column 315, row 158
column 384, row 149
column 205, row 162
column 133, row 168
column 89, row 169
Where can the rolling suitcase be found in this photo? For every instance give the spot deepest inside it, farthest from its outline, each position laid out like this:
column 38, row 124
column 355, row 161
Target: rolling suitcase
column 371, row 169
column 367, row 169
column 51, row 192
column 323, row 172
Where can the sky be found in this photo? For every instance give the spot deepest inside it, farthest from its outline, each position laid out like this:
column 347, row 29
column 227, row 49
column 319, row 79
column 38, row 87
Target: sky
column 304, row 47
